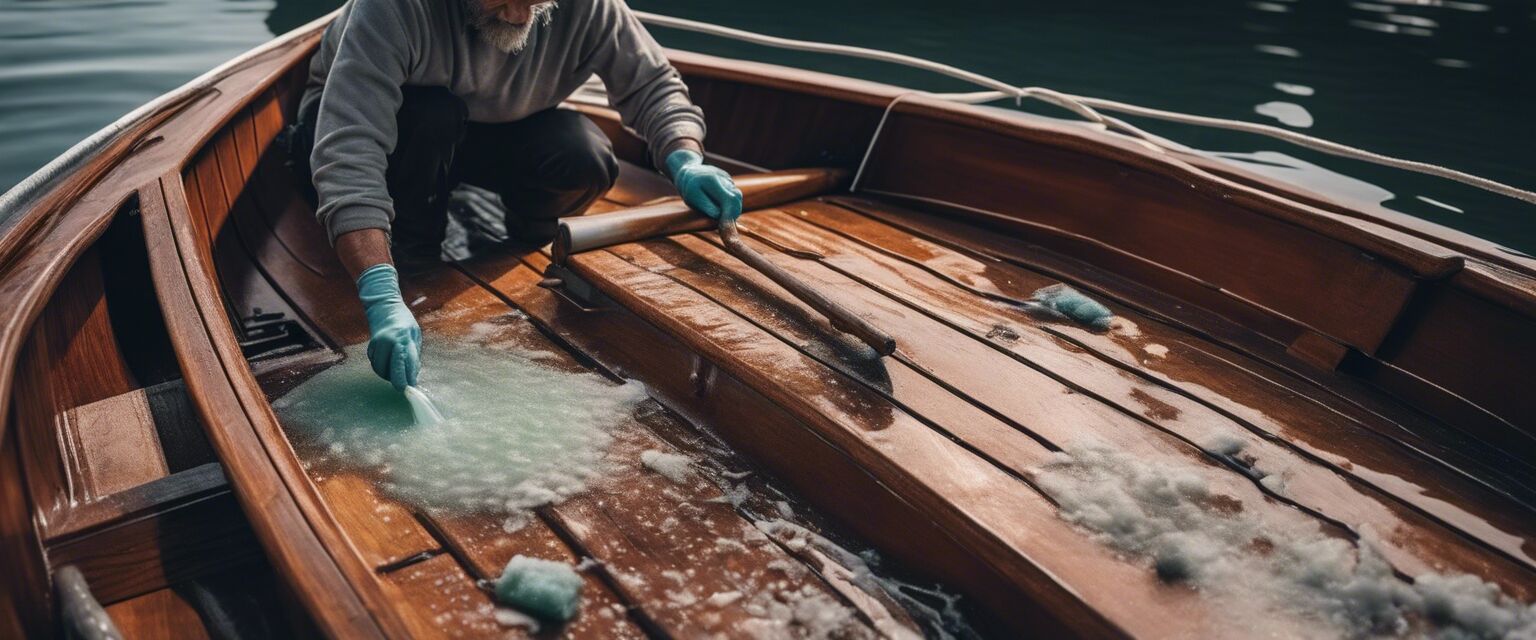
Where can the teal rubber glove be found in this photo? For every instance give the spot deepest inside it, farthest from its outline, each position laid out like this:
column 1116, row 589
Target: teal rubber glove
column 708, row 189
column 394, row 343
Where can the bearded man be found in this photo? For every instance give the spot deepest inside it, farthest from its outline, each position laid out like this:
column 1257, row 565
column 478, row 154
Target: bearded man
column 407, row 98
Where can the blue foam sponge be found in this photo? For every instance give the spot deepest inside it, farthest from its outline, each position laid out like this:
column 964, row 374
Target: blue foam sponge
column 543, row 588
column 1074, row 305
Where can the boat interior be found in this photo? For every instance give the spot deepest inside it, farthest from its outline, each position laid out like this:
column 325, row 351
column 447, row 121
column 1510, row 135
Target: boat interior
column 1305, row 358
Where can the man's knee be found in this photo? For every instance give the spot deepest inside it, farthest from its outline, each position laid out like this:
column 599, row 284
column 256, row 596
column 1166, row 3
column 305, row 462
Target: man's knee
column 588, row 168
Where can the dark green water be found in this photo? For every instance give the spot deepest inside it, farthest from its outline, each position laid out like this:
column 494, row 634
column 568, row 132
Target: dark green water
column 1451, row 82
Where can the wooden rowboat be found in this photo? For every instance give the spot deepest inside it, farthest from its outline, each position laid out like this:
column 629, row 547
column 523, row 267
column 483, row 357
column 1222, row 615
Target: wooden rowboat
column 1361, row 370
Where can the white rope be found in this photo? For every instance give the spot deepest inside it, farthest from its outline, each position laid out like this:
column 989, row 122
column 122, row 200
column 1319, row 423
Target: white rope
column 1085, row 107
column 870, row 150
column 822, row 47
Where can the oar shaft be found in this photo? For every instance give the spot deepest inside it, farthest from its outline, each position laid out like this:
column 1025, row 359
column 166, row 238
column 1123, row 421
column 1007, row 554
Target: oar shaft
column 842, row 319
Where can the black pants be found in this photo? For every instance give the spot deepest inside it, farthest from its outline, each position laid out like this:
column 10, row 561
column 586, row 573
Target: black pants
column 550, row 164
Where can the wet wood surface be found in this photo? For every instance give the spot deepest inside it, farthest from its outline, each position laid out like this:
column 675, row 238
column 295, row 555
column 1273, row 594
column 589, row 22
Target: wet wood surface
column 870, row 276
column 1148, row 384
column 1148, row 387
column 1270, row 402
column 158, row 614
column 765, row 432
column 656, row 544
column 1244, row 345
column 985, row 507
column 920, row 452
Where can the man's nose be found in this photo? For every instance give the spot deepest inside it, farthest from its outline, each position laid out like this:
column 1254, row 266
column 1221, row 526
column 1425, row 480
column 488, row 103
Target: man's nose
column 516, row 13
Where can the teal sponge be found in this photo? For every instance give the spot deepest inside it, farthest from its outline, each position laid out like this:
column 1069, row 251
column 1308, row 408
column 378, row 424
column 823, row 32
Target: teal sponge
column 1070, row 303
column 542, row 588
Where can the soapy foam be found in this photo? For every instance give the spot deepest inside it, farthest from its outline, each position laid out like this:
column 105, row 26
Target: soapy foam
column 1262, row 569
column 517, row 434
column 674, row 467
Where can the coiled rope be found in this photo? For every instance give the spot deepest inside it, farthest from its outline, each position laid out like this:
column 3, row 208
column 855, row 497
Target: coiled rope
column 1088, row 108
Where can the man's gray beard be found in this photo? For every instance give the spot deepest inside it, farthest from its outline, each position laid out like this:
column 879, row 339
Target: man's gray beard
column 509, row 38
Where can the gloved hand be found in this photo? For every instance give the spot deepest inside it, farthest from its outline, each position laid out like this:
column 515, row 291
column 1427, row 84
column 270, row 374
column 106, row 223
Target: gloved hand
column 394, row 343
column 708, row 189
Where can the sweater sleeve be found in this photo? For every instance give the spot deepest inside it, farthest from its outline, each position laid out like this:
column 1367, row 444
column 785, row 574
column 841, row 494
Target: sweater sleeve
column 355, row 130
column 648, row 93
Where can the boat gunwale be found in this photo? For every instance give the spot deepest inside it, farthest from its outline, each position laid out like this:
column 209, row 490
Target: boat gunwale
column 1414, row 241
column 82, row 198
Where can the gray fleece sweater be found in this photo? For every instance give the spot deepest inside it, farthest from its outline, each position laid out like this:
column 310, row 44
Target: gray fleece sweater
column 374, row 47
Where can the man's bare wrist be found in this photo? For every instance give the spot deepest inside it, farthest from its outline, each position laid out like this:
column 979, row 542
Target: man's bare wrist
column 361, row 249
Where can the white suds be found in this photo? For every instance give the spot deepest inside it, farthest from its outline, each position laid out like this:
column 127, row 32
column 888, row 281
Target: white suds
column 805, row 612
column 1155, row 350
column 513, row 618
column 1224, row 444
column 676, row 468
column 1266, row 569
column 724, row 598
column 516, row 435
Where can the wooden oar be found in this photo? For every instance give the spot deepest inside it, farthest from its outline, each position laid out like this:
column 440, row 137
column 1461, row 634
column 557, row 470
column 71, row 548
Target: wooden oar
column 759, row 191
column 842, row 319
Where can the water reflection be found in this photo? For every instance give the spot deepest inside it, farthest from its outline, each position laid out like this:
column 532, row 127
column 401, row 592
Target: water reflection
column 1288, row 113
column 1294, row 89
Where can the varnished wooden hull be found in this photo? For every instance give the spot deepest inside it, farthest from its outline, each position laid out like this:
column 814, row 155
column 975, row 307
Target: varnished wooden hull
column 1378, row 362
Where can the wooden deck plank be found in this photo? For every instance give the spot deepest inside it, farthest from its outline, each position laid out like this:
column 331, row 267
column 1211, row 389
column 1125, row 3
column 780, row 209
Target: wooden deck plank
column 1265, row 400
column 657, row 540
column 972, row 499
column 925, row 304
column 711, row 272
column 382, row 531
column 1341, row 393
column 437, row 599
column 761, row 431
column 758, row 497
column 387, row 532
column 451, row 304
column 484, row 547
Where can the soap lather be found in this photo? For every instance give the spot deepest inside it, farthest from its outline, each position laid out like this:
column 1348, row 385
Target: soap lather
column 423, row 409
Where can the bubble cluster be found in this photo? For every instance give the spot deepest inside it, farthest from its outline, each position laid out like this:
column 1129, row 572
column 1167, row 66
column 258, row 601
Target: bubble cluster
column 516, row 434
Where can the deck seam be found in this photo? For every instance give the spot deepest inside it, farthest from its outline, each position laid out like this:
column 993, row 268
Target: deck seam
column 839, row 369
column 1222, row 461
column 1154, row 314
column 1374, row 489
column 548, row 332
column 1173, row 325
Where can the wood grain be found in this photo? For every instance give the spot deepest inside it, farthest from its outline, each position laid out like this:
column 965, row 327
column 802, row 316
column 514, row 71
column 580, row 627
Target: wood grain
column 115, row 443
column 295, row 548
column 954, row 323
column 831, row 481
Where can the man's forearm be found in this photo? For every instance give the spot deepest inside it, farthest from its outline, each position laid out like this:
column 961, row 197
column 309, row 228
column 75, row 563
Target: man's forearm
column 361, row 249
